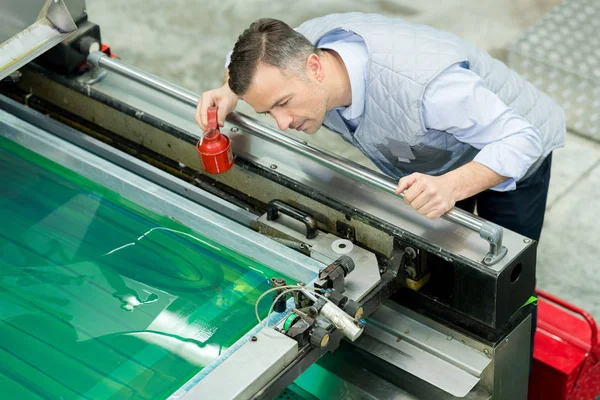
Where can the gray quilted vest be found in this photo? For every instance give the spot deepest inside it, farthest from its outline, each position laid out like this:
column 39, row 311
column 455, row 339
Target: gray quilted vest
column 403, row 59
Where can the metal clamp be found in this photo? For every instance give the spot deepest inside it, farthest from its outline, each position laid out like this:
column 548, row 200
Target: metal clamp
column 488, row 231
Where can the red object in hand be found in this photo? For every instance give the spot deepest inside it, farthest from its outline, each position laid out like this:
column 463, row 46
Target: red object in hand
column 214, row 148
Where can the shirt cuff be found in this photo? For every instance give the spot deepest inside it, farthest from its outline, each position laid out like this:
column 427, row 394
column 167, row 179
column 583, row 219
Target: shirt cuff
column 504, row 163
column 505, row 186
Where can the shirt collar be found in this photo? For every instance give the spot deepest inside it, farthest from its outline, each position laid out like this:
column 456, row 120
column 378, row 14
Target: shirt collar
column 355, row 56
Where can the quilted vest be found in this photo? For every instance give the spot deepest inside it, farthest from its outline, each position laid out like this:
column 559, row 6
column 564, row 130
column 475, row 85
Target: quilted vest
column 403, row 59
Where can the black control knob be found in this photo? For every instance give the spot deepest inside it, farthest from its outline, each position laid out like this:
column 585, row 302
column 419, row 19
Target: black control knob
column 319, row 337
column 353, row 309
column 347, row 263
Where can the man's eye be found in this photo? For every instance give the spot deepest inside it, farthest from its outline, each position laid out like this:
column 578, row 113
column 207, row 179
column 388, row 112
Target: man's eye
column 284, row 103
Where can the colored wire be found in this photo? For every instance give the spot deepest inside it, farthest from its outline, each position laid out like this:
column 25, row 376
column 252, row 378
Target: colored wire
column 290, row 288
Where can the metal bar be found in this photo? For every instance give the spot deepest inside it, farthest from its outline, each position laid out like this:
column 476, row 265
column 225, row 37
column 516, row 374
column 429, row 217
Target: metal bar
column 488, row 231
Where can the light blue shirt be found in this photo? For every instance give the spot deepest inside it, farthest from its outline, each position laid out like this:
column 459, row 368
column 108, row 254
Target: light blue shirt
column 457, row 102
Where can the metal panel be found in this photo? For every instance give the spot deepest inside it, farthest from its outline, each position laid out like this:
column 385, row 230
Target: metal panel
column 158, row 199
column 366, row 272
column 561, row 55
column 249, row 369
column 424, row 352
column 30, row 27
column 511, row 363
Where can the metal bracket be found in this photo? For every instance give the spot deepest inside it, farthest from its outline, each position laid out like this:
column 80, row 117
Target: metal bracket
column 493, row 234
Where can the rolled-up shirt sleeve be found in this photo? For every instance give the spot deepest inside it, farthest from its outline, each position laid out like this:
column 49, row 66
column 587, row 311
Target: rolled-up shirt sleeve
column 458, row 102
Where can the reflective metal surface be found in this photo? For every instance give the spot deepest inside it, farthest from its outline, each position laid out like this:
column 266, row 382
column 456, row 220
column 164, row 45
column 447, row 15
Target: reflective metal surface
column 422, row 351
column 489, row 232
column 324, row 248
column 511, row 363
column 28, row 28
column 249, row 369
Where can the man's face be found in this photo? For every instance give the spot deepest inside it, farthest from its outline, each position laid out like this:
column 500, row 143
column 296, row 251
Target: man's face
column 296, row 102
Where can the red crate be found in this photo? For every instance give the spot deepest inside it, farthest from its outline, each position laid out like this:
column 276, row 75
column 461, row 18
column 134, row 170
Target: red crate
column 566, row 354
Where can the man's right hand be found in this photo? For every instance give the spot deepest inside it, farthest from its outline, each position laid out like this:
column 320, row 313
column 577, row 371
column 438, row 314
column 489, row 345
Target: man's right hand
column 222, row 97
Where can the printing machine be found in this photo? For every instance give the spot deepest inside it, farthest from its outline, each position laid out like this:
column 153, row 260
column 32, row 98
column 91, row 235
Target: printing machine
column 410, row 308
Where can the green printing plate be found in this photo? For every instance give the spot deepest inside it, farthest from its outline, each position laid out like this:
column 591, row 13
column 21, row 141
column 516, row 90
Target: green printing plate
column 103, row 299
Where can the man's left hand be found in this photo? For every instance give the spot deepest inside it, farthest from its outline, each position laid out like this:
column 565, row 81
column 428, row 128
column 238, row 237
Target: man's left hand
column 432, row 196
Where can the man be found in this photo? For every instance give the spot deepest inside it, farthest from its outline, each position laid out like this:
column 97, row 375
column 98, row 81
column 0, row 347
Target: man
column 454, row 125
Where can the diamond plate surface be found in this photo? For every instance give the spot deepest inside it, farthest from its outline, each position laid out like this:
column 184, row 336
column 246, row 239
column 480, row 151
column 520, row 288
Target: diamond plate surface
column 561, row 56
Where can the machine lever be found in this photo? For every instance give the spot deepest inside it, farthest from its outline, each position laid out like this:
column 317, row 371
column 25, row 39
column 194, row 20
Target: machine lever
column 277, row 206
column 488, row 231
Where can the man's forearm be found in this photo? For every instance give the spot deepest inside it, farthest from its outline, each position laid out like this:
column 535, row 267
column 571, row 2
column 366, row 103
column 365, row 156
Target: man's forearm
column 472, row 178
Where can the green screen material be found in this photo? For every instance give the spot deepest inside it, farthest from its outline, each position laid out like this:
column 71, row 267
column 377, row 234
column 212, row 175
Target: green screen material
column 103, row 299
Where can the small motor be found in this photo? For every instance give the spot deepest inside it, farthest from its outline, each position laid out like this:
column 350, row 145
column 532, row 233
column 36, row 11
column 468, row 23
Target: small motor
column 214, row 148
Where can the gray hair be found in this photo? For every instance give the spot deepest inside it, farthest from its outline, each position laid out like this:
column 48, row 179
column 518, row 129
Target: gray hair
column 268, row 41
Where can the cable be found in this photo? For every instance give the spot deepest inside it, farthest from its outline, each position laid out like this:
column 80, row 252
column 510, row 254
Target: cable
column 290, row 288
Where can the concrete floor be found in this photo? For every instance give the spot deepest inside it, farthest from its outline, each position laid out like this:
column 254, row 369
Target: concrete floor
column 185, row 41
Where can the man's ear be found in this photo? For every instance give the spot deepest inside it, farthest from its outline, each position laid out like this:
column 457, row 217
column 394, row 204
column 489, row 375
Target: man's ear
column 314, row 68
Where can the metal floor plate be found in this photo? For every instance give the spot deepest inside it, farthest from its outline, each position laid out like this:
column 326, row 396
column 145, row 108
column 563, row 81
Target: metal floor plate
column 561, row 56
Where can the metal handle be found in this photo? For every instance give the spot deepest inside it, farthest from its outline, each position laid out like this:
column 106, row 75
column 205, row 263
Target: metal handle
column 488, row 231
column 277, row 206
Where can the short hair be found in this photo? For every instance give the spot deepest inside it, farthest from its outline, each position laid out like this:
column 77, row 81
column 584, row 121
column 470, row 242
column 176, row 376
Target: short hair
column 268, row 41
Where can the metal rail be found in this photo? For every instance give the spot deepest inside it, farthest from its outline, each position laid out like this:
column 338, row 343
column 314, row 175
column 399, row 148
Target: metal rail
column 488, row 231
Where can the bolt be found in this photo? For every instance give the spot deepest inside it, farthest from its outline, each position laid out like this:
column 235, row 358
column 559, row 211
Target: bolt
column 488, row 259
column 254, row 338
column 526, row 240
column 273, row 166
column 234, row 129
column 487, row 353
column 449, row 337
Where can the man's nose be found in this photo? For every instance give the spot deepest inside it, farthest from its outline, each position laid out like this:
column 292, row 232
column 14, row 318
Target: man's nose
column 283, row 119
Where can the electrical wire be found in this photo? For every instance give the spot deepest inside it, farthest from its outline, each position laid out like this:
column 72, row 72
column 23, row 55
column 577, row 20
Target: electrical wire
column 290, row 288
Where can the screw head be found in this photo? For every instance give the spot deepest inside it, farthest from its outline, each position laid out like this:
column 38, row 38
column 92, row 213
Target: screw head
column 526, row 240
column 273, row 166
column 235, row 129
column 254, row 338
